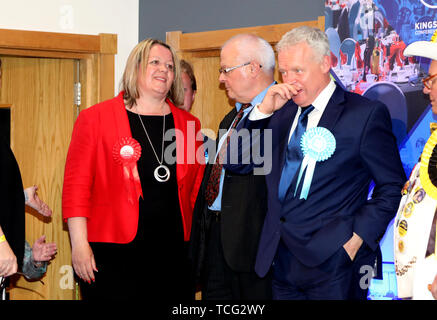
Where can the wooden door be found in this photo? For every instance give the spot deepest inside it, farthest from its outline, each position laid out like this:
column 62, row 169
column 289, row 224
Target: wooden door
column 41, row 94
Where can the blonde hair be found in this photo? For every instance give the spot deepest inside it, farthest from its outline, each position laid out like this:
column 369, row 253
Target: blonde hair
column 314, row 37
column 140, row 54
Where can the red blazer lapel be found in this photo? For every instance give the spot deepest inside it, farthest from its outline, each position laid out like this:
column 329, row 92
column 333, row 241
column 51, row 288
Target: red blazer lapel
column 182, row 154
column 119, row 125
column 120, row 119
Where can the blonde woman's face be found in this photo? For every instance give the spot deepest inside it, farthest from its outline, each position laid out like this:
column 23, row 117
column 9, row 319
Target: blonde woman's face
column 159, row 74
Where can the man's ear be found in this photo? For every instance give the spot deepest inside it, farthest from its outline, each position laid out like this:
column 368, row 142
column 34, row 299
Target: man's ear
column 255, row 68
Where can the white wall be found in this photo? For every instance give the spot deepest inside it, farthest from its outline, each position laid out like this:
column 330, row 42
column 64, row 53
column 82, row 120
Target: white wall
column 77, row 16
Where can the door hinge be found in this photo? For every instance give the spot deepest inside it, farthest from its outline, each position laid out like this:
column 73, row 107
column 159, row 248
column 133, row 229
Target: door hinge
column 77, row 94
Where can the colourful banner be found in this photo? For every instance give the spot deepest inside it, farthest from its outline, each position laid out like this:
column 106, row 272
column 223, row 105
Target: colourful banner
column 367, row 39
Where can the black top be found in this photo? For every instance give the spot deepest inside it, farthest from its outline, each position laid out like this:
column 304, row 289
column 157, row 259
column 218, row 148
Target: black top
column 160, row 214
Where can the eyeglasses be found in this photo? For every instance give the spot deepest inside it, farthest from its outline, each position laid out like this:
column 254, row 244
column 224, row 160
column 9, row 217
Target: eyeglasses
column 227, row 70
column 428, row 81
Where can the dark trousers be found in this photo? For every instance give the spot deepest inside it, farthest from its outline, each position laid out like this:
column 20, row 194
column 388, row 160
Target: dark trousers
column 222, row 283
column 125, row 275
column 292, row 280
column 364, row 268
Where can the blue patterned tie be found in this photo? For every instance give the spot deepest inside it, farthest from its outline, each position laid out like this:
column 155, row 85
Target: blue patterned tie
column 294, row 154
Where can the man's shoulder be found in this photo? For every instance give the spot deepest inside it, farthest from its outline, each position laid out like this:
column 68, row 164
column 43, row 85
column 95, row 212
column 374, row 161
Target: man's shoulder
column 231, row 113
column 358, row 102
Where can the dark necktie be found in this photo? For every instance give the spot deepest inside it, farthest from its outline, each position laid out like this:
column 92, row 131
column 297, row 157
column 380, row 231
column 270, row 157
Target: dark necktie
column 294, row 154
column 213, row 186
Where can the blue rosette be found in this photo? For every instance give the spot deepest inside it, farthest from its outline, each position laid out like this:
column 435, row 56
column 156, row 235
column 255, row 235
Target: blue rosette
column 317, row 144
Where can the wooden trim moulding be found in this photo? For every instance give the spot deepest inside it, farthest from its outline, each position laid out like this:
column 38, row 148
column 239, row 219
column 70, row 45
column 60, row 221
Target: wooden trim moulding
column 213, row 40
column 52, row 44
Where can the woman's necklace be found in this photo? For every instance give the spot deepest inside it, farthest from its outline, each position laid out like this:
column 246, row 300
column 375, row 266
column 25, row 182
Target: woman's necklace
column 158, row 176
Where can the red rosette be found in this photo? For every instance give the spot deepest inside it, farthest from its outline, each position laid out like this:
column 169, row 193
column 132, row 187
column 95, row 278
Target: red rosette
column 126, row 152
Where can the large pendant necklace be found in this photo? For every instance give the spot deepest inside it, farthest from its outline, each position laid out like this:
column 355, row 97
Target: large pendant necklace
column 162, row 172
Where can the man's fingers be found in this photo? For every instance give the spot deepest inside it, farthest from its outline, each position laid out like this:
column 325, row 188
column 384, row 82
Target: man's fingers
column 286, row 90
column 40, row 240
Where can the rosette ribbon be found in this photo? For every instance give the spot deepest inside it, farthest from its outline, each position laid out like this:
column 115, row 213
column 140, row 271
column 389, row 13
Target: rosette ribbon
column 126, row 152
column 317, row 144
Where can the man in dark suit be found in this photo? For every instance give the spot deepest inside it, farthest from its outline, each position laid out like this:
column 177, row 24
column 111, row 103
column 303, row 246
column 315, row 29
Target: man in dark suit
column 320, row 227
column 230, row 208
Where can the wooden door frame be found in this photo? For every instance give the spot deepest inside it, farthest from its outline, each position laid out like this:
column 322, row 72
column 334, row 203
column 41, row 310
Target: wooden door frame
column 208, row 43
column 95, row 53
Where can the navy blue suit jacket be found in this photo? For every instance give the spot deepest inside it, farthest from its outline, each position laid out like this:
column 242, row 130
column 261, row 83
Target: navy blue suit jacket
column 337, row 203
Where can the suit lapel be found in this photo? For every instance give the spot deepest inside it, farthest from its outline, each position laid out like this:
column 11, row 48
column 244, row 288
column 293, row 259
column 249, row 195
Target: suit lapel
column 333, row 109
column 227, row 121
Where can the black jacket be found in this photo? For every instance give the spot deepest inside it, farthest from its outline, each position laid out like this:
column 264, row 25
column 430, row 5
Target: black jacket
column 244, row 205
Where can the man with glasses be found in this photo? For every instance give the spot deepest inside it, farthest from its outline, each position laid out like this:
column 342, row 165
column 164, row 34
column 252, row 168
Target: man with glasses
column 230, row 208
column 415, row 224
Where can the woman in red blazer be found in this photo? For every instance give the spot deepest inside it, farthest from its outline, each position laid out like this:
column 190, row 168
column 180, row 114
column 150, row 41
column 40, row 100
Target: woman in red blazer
column 133, row 171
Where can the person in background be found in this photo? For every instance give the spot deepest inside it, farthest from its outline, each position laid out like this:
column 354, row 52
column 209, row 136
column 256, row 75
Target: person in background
column 131, row 180
column 231, row 208
column 415, row 224
column 190, row 85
